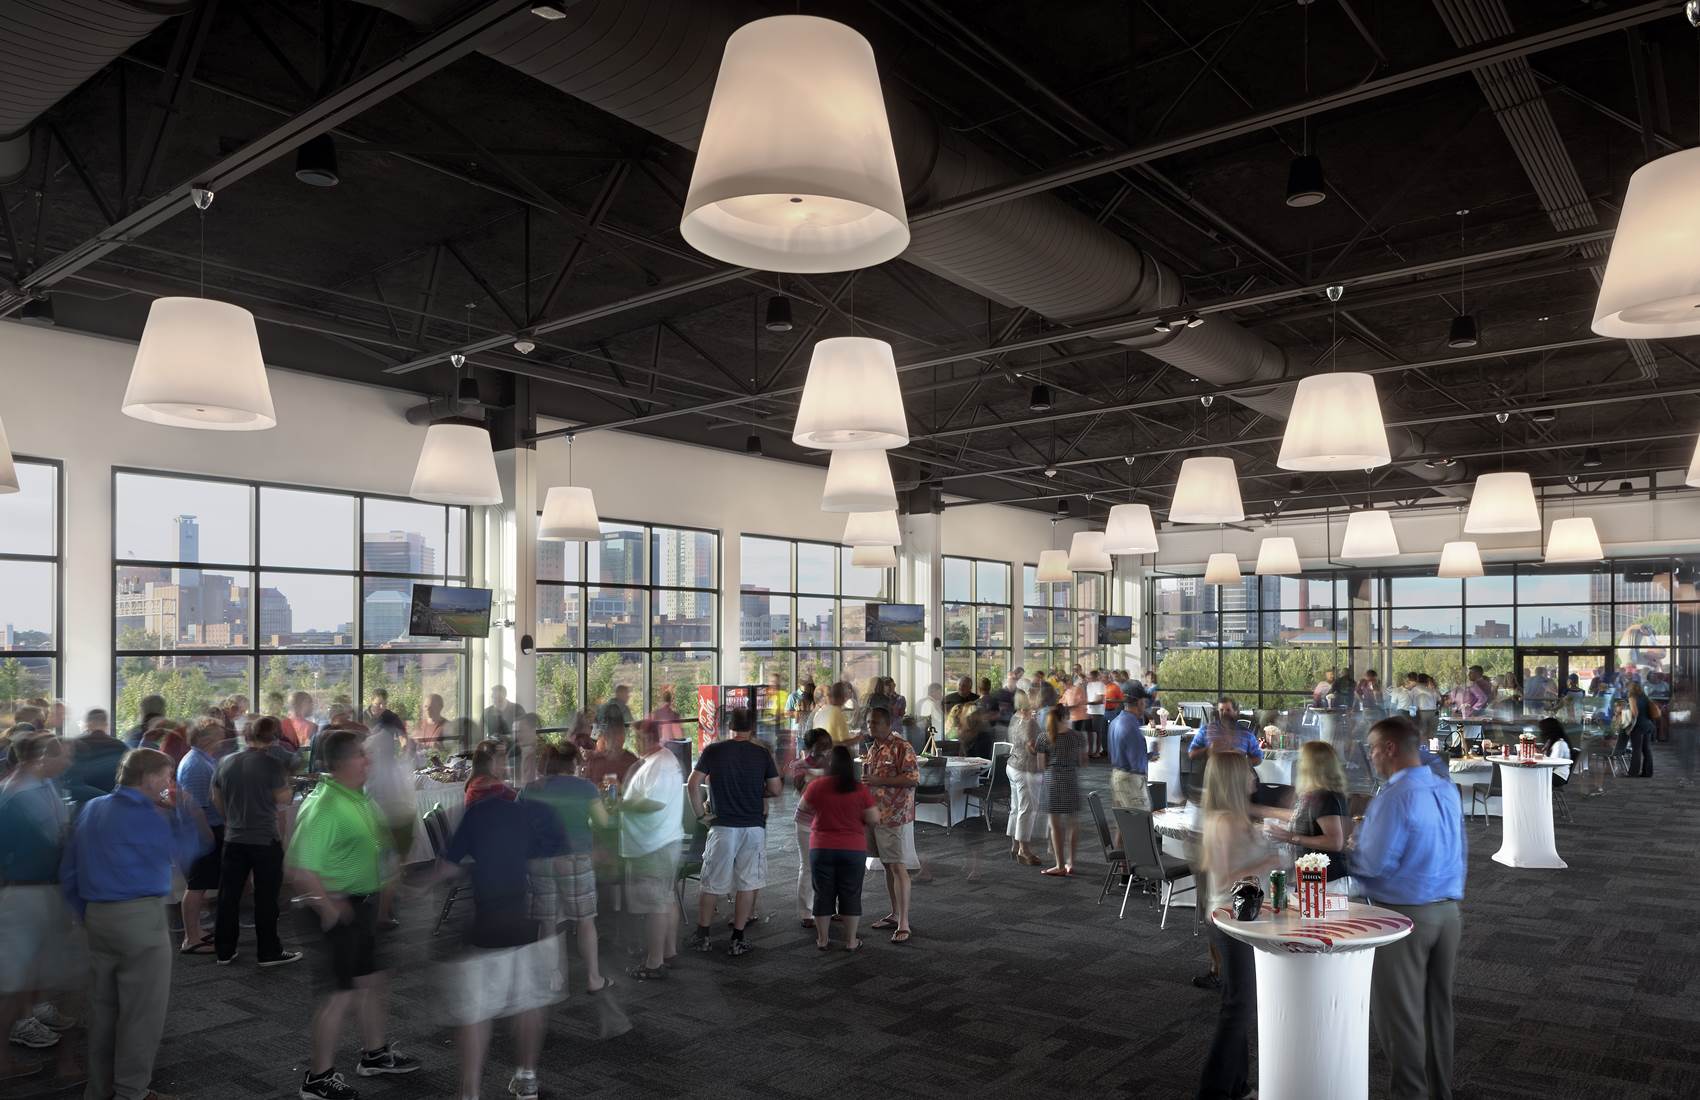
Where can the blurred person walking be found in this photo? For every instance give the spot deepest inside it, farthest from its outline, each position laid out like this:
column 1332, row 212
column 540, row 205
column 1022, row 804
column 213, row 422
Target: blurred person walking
column 1063, row 747
column 811, row 765
column 841, row 812
column 95, row 755
column 564, row 887
column 250, row 790
column 194, row 780
column 1026, row 770
column 741, row 775
column 151, row 706
column 651, row 812
column 489, row 777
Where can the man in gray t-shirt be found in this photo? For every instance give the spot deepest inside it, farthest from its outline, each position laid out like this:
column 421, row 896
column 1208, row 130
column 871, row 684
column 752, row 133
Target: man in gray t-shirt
column 250, row 789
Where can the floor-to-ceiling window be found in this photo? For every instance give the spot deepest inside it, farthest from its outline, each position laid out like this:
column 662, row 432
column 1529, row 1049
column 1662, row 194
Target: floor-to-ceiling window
column 802, row 613
column 225, row 587
column 976, row 619
column 640, row 607
column 1059, row 620
column 29, row 586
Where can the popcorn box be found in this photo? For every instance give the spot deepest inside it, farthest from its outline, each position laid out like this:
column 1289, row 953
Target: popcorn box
column 1527, row 748
column 1310, row 880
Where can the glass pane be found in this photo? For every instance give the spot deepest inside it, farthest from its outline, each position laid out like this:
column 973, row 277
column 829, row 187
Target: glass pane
column 1427, row 592
column 993, row 664
column 1649, row 622
column 1185, row 595
column 160, row 608
column 1062, row 628
column 958, row 580
column 817, row 568
column 958, row 625
column 1574, row 625
column 684, row 559
column 681, row 673
column 617, row 558
column 615, row 617
column 860, row 666
column 755, row 666
column 815, row 625
column 818, row 668
column 1035, row 627
column 861, row 581
column 1496, row 663
column 1239, row 670
column 991, row 625
column 1488, row 625
column 1239, row 629
column 558, row 688
column 764, row 564
column 957, row 664
column 608, row 671
column 1543, row 587
column 305, row 609
column 991, row 582
column 327, row 677
column 27, row 598
column 24, row 678
column 1687, row 631
column 853, row 622
column 1089, row 591
column 1295, row 668
column 1180, row 631
column 764, row 620
column 1439, row 627
column 386, row 607
column 457, row 542
column 190, row 684
column 1442, row 665
column 1029, row 586
column 1641, row 584
column 306, row 530
column 411, row 677
column 178, row 519
column 1493, row 589
column 559, row 560
column 1036, row 660
column 1187, row 668
column 683, row 619
column 1061, row 594
column 560, row 616
column 29, row 517
column 404, row 536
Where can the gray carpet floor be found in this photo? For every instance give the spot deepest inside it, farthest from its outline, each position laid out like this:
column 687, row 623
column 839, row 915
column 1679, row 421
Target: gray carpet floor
column 1579, row 983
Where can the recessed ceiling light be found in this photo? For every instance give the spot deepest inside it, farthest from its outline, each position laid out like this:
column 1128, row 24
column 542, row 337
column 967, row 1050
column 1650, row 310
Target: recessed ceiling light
column 1543, row 317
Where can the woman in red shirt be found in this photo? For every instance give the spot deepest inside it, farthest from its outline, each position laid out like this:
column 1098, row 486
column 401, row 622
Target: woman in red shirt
column 489, row 774
column 843, row 812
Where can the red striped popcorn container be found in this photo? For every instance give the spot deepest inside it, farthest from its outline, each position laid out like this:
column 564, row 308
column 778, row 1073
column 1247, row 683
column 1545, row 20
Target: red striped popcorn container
column 1310, row 881
column 1527, row 748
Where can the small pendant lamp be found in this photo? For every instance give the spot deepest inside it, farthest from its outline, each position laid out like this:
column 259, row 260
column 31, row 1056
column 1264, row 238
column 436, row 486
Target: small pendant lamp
column 1277, row 556
column 1086, row 553
column 1053, row 567
column 456, row 466
column 8, row 470
column 859, row 481
column 1574, row 539
column 569, row 513
column 1335, row 424
column 1369, row 534
column 1502, row 503
column 874, row 557
column 1223, row 568
column 1692, row 480
column 1460, row 559
column 851, row 398
column 1130, row 530
column 872, row 529
column 1207, row 491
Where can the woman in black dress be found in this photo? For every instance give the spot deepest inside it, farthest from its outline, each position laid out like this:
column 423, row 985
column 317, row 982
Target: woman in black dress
column 1061, row 745
column 1319, row 822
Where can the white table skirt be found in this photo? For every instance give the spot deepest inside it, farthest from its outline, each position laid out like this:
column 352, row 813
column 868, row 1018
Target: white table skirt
column 959, row 776
column 1277, row 766
column 1528, row 836
column 430, row 793
column 1170, row 746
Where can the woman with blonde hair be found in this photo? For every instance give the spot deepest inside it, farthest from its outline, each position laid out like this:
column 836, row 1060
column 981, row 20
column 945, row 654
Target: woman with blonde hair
column 1319, row 820
column 1231, row 850
column 1026, row 769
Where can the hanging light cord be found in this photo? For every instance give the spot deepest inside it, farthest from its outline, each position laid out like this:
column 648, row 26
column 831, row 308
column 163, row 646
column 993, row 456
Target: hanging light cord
column 201, row 221
column 1305, row 123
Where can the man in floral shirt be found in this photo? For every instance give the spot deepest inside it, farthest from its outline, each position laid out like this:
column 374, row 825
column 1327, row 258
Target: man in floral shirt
column 891, row 771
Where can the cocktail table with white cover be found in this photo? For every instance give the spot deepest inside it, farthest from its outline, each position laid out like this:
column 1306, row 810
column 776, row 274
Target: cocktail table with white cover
column 1313, row 979
column 1527, row 787
column 1277, row 766
column 960, row 773
column 1169, row 743
column 429, row 793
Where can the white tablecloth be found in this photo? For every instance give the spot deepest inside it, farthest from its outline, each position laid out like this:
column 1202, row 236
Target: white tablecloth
column 1169, row 742
column 430, row 793
column 1528, row 838
column 1277, row 766
column 960, row 774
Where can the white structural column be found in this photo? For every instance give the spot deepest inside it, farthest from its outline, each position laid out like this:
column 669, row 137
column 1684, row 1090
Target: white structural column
column 920, row 565
column 506, row 559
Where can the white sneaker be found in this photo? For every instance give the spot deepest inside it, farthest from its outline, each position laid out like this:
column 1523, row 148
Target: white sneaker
column 30, row 1032
column 52, row 1017
column 524, row 1086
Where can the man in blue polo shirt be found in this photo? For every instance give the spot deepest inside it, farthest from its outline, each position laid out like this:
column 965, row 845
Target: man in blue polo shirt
column 1223, row 734
column 1129, row 760
column 1409, row 856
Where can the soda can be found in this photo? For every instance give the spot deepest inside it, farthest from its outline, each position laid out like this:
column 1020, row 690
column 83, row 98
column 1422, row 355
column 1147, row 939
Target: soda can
column 1278, row 890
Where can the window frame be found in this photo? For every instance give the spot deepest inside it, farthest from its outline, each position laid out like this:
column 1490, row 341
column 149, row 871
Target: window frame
column 794, row 653
column 976, row 652
column 57, row 561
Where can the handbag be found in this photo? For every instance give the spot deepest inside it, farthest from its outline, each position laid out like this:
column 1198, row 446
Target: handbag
column 1247, row 899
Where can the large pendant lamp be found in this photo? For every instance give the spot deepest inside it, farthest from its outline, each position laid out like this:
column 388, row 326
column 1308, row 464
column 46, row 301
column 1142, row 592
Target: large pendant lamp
column 1574, row 539
column 859, row 481
column 1207, row 491
column 1650, row 290
column 1503, row 503
column 872, row 529
column 1086, row 553
column 1053, row 567
column 851, row 399
column 795, row 169
column 456, row 466
column 1369, row 534
column 198, row 366
column 1335, row 424
column 1223, row 568
column 569, row 513
column 1130, row 530
column 1693, row 478
column 1277, row 556
column 8, row 470
column 874, row 557
column 1460, row 559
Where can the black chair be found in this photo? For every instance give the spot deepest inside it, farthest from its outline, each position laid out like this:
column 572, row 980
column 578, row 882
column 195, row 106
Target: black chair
column 992, row 787
column 437, row 832
column 1148, row 860
column 930, row 789
column 1114, row 855
column 1484, row 792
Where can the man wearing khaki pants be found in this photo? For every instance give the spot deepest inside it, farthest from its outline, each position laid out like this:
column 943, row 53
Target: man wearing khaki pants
column 116, row 876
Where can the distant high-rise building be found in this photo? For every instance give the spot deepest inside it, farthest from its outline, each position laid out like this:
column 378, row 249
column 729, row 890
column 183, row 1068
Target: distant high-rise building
column 386, row 613
column 398, row 552
column 188, row 547
column 620, row 555
column 276, row 616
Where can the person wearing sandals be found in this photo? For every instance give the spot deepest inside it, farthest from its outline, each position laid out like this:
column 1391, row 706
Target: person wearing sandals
column 651, row 811
column 1026, row 770
column 809, row 766
column 563, row 887
column 1062, row 746
column 841, row 811
column 893, row 772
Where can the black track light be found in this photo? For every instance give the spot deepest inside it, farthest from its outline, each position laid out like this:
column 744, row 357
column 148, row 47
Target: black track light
column 1624, row 489
column 1591, row 459
column 37, row 311
column 1462, row 334
column 466, row 392
column 1304, row 181
column 1062, row 508
column 1040, row 400
column 778, row 314
column 315, row 162
column 752, row 445
column 1543, row 416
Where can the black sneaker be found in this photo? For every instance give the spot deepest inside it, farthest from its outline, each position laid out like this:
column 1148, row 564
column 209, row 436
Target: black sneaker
column 740, row 947
column 1207, row 980
column 326, row 1086
column 386, row 1059
column 698, row 941
column 282, row 960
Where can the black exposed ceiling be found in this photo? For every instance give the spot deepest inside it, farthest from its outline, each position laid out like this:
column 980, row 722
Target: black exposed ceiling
column 475, row 187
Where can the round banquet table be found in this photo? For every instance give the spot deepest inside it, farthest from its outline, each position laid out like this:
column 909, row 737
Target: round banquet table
column 1527, row 785
column 1313, row 979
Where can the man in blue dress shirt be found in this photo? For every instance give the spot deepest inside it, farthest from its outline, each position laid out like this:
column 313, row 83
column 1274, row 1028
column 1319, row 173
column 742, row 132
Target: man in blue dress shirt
column 1129, row 760
column 1409, row 856
column 1223, row 734
column 116, row 875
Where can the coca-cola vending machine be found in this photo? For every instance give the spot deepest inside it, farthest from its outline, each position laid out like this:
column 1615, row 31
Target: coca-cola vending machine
column 715, row 702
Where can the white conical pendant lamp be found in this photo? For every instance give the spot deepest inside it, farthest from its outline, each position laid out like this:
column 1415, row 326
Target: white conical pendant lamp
column 1651, row 288
column 851, row 398
column 1335, row 424
column 874, row 557
column 795, row 169
column 1277, row 556
column 1130, row 530
column 456, row 466
column 1460, row 559
column 1693, row 478
column 1574, row 539
column 1503, row 503
column 1207, row 491
column 1223, row 568
column 872, row 529
column 859, row 481
column 1053, row 567
column 569, row 513
column 199, row 366
column 1086, row 553
column 1369, row 534
column 8, row 470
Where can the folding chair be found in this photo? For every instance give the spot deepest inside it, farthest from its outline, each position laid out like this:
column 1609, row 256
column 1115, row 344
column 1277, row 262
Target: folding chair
column 993, row 783
column 437, row 832
column 1140, row 838
column 1114, row 855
